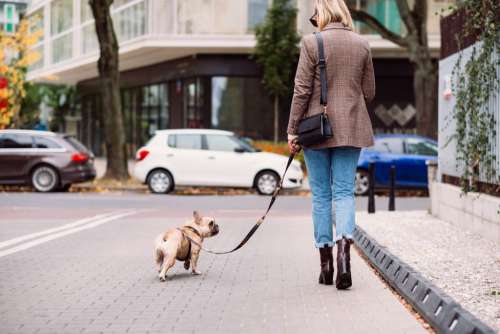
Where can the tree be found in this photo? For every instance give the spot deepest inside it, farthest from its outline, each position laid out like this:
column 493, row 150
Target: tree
column 16, row 55
column 276, row 51
column 425, row 69
column 109, row 76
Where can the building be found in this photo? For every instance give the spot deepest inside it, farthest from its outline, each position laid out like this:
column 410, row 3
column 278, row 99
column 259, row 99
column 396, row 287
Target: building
column 187, row 63
column 11, row 11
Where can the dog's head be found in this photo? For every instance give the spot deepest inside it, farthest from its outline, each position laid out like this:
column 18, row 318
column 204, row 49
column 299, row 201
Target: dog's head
column 205, row 225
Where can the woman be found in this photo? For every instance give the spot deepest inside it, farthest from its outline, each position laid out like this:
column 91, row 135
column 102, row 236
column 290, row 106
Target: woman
column 331, row 164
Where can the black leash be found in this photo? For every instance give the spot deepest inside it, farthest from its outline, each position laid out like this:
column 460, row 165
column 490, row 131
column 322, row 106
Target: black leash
column 257, row 225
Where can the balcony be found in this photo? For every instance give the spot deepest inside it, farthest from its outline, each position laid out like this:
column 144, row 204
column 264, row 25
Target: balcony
column 151, row 31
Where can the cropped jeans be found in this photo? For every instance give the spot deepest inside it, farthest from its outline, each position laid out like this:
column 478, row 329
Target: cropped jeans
column 332, row 172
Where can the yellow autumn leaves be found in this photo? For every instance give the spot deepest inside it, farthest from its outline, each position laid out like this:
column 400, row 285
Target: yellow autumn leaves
column 16, row 55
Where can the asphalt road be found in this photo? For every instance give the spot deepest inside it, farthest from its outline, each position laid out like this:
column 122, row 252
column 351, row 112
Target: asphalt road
column 83, row 263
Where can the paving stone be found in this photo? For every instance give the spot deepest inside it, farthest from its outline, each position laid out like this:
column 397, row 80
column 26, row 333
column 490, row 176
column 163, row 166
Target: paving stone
column 104, row 280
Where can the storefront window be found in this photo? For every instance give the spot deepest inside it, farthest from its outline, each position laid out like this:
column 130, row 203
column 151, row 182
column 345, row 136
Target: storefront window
column 241, row 105
column 193, row 103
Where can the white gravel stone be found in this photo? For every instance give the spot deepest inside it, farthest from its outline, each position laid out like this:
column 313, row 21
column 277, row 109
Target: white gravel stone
column 464, row 265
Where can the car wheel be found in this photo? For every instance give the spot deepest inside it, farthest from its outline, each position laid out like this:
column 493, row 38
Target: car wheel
column 44, row 179
column 266, row 183
column 362, row 182
column 160, row 182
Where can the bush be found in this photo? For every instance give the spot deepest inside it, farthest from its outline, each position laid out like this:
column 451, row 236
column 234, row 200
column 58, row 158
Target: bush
column 278, row 148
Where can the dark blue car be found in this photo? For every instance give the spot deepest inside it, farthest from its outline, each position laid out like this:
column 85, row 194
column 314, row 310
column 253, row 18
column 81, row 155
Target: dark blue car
column 408, row 153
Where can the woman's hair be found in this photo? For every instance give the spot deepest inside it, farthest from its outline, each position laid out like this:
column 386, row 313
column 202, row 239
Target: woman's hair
column 333, row 11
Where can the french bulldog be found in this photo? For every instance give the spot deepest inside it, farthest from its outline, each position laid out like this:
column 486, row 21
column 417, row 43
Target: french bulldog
column 173, row 244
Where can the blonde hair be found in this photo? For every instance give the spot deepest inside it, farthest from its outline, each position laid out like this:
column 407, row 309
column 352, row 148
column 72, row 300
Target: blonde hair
column 333, row 11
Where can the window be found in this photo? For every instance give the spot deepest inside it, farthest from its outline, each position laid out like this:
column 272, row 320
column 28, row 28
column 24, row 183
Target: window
column 235, row 108
column 61, row 22
column 388, row 145
column 421, row 147
column 61, row 18
column 386, row 11
column 10, row 18
column 222, row 143
column 129, row 22
column 257, row 10
column 43, row 142
column 76, row 144
column 187, row 142
column 15, row 141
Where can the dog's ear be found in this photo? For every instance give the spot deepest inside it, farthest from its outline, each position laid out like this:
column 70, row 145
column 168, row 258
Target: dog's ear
column 197, row 217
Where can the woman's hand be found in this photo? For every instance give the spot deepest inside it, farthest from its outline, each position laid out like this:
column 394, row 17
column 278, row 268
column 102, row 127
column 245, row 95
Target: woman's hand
column 293, row 145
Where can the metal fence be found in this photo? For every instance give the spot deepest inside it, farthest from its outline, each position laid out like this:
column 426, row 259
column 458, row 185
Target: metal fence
column 448, row 164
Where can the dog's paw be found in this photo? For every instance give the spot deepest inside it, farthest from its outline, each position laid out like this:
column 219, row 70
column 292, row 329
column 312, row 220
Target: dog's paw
column 187, row 264
column 162, row 278
column 196, row 272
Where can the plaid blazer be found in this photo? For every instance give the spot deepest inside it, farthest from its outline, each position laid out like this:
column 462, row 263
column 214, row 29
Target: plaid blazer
column 351, row 85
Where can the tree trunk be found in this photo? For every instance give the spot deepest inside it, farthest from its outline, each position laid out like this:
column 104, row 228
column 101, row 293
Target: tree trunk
column 426, row 97
column 109, row 79
column 276, row 118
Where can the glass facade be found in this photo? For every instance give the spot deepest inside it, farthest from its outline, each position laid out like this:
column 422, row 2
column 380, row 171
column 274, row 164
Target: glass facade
column 386, row 11
column 61, row 24
column 130, row 22
column 257, row 10
column 238, row 104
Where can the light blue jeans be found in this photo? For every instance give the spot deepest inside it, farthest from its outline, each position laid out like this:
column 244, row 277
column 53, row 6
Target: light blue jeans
column 331, row 176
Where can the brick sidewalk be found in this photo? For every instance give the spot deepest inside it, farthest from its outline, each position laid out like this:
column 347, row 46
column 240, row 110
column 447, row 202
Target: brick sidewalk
column 102, row 280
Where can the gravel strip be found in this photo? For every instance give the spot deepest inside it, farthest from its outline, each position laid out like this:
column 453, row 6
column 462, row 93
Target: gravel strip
column 463, row 264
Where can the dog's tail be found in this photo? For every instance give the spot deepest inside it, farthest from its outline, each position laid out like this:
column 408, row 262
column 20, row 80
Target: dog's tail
column 158, row 249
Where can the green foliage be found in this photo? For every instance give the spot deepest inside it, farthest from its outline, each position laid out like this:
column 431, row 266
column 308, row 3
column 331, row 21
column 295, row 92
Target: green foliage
column 60, row 98
column 277, row 46
column 475, row 82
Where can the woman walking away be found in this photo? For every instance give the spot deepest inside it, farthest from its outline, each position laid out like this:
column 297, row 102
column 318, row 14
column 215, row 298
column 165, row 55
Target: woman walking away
column 331, row 163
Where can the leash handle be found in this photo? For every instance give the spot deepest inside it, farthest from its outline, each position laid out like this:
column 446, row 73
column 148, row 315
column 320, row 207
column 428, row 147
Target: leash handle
column 257, row 224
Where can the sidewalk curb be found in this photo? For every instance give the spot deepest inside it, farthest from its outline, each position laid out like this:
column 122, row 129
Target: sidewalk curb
column 443, row 313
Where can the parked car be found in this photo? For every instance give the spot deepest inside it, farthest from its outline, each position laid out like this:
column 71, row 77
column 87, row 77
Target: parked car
column 408, row 153
column 45, row 160
column 194, row 157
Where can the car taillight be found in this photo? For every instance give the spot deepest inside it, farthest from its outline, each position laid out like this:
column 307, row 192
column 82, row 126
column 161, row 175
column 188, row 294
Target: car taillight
column 142, row 154
column 80, row 157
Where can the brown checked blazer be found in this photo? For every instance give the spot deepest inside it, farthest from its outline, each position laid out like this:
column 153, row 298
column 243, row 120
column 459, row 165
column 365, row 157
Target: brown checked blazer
column 351, row 85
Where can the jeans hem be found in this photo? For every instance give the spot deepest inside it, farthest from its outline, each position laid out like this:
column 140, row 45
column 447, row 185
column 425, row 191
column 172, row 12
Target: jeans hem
column 347, row 236
column 322, row 244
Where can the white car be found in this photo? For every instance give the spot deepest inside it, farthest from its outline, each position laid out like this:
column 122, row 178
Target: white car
column 195, row 157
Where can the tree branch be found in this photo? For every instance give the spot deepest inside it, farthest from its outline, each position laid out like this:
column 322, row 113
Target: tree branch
column 406, row 15
column 372, row 22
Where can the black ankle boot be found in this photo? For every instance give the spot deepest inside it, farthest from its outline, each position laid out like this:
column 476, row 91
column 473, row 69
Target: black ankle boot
column 343, row 280
column 326, row 257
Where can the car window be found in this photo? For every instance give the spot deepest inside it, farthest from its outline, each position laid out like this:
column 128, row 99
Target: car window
column 76, row 144
column 11, row 140
column 187, row 141
column 421, row 147
column 44, row 142
column 222, row 143
column 388, row 145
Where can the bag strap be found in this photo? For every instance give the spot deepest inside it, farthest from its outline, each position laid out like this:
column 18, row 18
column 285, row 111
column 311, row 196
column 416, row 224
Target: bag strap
column 322, row 70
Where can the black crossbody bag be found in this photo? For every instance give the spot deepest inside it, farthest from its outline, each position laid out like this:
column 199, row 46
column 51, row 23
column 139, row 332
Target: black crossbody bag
column 316, row 129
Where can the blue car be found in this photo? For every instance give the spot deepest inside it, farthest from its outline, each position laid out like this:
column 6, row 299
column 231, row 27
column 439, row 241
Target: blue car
column 408, row 153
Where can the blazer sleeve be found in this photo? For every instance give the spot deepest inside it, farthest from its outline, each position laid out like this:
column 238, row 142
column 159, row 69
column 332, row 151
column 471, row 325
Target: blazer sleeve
column 368, row 84
column 304, row 79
